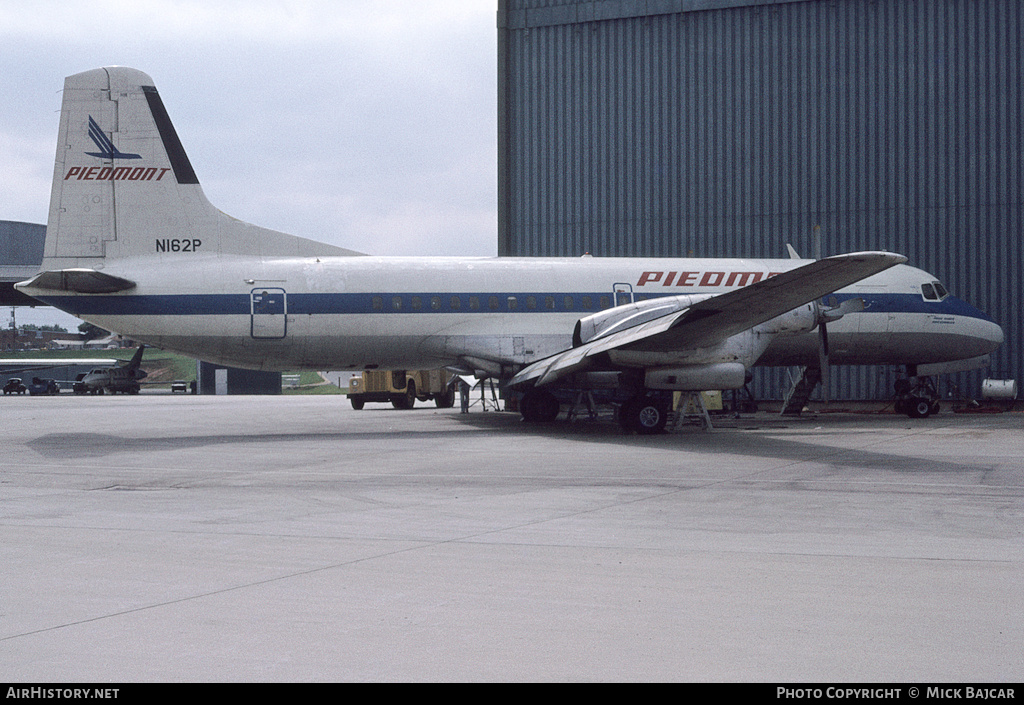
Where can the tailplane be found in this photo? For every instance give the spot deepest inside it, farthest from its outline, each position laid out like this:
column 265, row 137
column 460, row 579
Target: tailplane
column 123, row 187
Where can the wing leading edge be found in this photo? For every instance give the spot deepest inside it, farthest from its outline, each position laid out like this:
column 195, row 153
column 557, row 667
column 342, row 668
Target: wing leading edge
column 718, row 317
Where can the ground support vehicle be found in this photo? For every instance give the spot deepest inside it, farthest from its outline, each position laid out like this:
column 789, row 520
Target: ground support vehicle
column 401, row 388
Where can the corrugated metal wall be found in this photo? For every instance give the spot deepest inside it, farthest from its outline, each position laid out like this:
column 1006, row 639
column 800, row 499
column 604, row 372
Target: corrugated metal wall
column 662, row 127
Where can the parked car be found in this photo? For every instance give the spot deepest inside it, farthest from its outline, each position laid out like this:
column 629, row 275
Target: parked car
column 14, row 386
column 43, row 387
column 179, row 385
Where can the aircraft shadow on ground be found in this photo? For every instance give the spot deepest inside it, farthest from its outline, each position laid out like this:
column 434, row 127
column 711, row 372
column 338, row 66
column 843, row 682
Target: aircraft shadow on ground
column 752, row 437
column 802, row 440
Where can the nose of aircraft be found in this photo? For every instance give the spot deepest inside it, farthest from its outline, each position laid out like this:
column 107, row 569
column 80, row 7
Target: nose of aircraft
column 992, row 334
column 985, row 334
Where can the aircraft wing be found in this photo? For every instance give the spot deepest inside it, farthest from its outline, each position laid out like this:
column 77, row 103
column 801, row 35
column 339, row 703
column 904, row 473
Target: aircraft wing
column 709, row 321
column 28, row 368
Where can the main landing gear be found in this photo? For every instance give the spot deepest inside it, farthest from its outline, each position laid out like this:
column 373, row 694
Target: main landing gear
column 917, row 397
column 646, row 413
column 538, row 406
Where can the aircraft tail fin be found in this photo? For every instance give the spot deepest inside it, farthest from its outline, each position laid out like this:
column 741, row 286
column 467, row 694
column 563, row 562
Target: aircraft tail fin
column 124, row 187
column 136, row 360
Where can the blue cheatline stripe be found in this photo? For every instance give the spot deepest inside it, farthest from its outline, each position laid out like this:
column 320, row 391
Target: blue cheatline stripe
column 429, row 303
column 913, row 303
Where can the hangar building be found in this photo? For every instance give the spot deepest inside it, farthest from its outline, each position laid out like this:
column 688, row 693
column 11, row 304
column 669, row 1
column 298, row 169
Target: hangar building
column 21, row 251
column 727, row 128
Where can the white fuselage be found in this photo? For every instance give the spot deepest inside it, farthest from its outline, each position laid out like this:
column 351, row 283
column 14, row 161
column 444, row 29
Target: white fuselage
column 491, row 314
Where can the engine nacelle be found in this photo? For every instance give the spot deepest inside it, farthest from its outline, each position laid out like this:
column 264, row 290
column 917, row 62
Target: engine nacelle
column 697, row 378
column 800, row 320
column 619, row 318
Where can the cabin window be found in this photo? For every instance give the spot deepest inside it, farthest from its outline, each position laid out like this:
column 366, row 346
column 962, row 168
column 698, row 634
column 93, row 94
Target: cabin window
column 605, row 302
column 568, row 303
column 492, row 303
column 531, row 302
column 378, row 303
column 549, row 303
column 455, row 304
column 396, row 303
column 585, row 303
column 435, row 303
column 513, row 304
column 474, row 303
column 417, row 303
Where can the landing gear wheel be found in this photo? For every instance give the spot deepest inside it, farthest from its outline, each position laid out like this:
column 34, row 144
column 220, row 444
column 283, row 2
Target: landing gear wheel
column 446, row 399
column 917, row 397
column 919, row 408
column 644, row 415
column 539, row 407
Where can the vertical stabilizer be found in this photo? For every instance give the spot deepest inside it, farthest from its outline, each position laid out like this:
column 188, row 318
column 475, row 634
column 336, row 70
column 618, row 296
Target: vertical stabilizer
column 123, row 186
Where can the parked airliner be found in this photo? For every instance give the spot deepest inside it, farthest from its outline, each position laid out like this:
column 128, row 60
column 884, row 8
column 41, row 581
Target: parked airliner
column 133, row 246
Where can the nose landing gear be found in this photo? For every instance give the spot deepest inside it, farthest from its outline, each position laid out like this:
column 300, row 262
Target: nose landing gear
column 917, row 397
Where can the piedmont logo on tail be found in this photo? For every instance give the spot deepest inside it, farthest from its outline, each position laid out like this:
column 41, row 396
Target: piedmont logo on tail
column 103, row 143
column 233, row 293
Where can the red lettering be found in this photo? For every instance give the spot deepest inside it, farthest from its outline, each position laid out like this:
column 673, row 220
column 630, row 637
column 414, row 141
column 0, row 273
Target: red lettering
column 121, row 173
column 743, row 278
column 686, row 278
column 712, row 278
column 669, row 278
column 649, row 277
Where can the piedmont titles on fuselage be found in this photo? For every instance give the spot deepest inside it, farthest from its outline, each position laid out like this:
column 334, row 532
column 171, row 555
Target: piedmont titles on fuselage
column 667, row 279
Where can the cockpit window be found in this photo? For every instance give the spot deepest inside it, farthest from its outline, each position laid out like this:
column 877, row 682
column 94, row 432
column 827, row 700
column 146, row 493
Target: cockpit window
column 933, row 291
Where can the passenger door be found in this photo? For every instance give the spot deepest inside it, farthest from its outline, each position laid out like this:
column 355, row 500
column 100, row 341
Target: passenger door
column 269, row 312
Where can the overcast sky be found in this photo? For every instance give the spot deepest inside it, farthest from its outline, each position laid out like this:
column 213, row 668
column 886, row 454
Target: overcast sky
column 368, row 124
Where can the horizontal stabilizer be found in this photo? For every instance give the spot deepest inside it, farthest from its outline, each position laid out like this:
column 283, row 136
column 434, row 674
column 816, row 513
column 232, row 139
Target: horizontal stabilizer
column 81, row 281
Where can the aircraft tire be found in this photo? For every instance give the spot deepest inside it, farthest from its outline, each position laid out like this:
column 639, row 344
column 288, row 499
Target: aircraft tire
column 919, row 408
column 643, row 415
column 539, row 407
column 445, row 399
